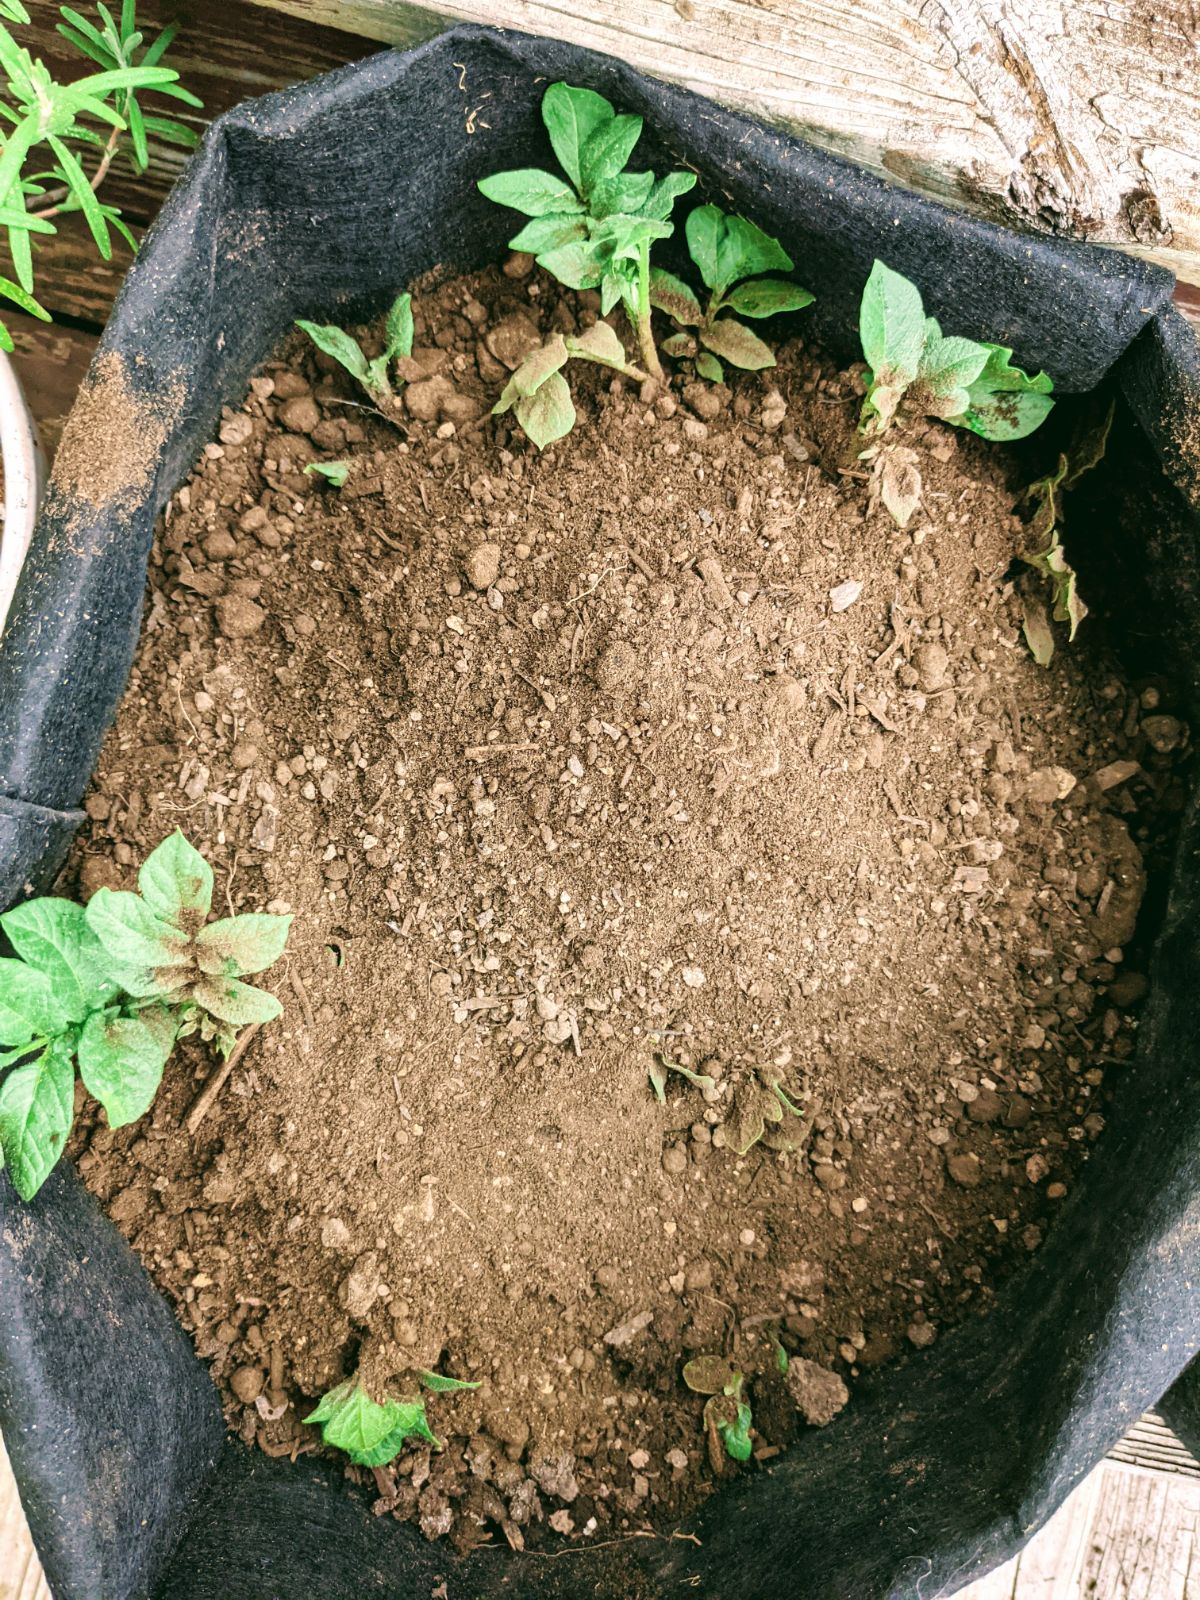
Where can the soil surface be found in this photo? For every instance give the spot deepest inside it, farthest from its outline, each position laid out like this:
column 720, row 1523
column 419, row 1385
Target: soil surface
column 664, row 745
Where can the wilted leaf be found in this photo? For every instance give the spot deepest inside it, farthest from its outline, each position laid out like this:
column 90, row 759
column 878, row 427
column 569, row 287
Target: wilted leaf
column 176, row 878
column 900, row 486
column 709, row 1375
column 709, row 368
column 441, row 1385
column 234, row 1002
column 598, row 343
column 1038, row 634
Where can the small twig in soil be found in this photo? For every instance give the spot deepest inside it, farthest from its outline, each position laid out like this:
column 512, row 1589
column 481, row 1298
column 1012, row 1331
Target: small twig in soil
column 218, row 1080
column 480, row 752
column 301, row 994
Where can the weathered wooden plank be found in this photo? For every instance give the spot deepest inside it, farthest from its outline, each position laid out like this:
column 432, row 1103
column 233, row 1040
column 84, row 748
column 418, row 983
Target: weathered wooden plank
column 20, row 1572
column 1083, row 121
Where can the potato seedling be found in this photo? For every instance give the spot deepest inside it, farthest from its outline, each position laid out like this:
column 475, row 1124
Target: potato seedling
column 915, row 370
column 537, row 391
column 374, row 375
column 729, row 253
column 334, row 472
column 727, row 1417
column 373, row 1432
column 595, row 230
column 40, row 112
column 112, row 987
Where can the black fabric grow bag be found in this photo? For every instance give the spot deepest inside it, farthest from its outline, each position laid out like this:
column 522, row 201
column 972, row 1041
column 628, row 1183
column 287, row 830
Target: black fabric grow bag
column 324, row 200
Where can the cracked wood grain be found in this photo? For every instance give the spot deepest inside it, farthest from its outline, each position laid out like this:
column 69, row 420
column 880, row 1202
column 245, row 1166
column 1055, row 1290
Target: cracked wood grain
column 1079, row 118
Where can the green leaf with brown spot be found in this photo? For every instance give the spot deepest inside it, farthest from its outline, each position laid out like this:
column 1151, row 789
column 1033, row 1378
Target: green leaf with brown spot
column 236, row 946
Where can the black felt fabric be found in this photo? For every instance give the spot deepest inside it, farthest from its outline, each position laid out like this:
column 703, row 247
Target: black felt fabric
column 324, row 201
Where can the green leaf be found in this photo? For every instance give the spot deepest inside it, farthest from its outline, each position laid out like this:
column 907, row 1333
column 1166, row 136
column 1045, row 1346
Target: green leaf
column 441, row 1385
column 121, row 1063
column 532, row 373
column 735, row 1436
column 18, row 296
column 703, row 231
column 174, row 132
column 743, row 249
column 548, row 233
column 236, row 946
column 132, row 935
column 577, row 266
column 137, row 135
column 335, row 472
column 597, row 343
column 623, row 236
column 657, row 1074
column 29, row 1008
column 1004, row 402
column 549, row 413
column 666, row 191
column 398, row 329
column 892, row 327
column 947, row 366
column 176, row 879
column 103, row 83
column 1006, row 416
column 16, row 148
column 707, row 366
column 336, row 342
column 572, row 116
column 531, row 191
column 737, row 344
column 606, row 151
column 767, row 297
column 229, row 1000
column 627, row 192
column 14, row 11
column 371, row 1434
column 82, row 191
column 53, row 936
column 670, row 294
column 37, row 1104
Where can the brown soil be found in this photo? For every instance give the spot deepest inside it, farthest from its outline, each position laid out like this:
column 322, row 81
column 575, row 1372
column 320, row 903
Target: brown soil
column 564, row 761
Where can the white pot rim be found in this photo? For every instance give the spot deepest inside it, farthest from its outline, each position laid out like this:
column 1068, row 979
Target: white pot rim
column 24, row 480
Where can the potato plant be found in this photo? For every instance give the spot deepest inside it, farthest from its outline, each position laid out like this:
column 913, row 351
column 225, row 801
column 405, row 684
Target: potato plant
column 108, row 989
column 373, row 1432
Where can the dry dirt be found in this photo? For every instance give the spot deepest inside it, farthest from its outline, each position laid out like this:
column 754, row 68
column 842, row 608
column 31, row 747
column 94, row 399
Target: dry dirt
column 568, row 763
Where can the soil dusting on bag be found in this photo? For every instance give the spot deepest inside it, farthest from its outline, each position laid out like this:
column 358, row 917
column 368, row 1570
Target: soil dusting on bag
column 663, row 745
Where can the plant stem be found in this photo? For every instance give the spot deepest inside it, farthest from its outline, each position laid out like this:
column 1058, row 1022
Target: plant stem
column 644, row 331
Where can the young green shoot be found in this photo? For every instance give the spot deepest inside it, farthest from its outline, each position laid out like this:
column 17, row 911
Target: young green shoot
column 915, row 370
column 334, row 472
column 50, row 141
column 727, row 1416
column 537, row 391
column 595, row 229
column 110, row 988
column 373, row 374
column 730, row 253
column 373, row 1432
